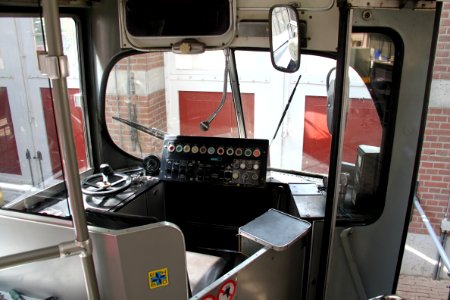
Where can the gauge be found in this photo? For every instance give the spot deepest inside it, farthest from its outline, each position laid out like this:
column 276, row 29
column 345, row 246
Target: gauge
column 151, row 165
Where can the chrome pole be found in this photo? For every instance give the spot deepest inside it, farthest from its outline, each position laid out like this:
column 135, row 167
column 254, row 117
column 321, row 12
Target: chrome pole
column 66, row 139
column 30, row 256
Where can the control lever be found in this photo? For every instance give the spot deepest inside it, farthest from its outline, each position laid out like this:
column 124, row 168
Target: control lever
column 106, row 170
column 105, row 183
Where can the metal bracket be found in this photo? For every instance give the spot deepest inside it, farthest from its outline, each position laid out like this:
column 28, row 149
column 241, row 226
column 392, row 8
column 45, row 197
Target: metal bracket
column 72, row 248
column 188, row 46
column 55, row 67
column 445, row 225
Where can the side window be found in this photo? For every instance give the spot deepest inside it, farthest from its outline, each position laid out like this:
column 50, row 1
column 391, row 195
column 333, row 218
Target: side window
column 368, row 123
column 31, row 160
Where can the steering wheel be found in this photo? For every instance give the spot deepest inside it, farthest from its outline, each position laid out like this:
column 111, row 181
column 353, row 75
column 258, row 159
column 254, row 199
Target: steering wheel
column 105, row 183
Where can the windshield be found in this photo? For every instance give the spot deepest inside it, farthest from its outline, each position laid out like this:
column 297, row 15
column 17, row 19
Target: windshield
column 162, row 94
column 176, row 93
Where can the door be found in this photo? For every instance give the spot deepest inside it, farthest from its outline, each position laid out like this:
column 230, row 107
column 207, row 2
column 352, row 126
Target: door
column 31, row 158
column 20, row 98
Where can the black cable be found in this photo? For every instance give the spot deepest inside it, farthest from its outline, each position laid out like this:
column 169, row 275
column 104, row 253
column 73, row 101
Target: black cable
column 204, row 125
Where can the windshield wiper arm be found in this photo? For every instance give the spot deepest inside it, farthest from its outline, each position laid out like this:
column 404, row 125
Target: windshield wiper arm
column 158, row 133
column 286, row 108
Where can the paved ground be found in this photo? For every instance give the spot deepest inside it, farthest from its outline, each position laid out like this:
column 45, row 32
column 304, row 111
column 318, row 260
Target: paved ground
column 422, row 288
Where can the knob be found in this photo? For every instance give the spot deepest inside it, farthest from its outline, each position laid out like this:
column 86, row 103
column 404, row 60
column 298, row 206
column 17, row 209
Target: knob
column 106, row 169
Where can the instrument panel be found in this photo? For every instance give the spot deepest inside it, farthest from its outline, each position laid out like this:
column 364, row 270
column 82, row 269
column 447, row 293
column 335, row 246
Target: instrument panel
column 223, row 161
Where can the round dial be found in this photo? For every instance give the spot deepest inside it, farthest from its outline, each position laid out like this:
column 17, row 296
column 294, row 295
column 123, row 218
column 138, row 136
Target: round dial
column 151, row 165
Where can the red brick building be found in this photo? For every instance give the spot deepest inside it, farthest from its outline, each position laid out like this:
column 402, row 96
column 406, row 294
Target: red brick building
column 434, row 171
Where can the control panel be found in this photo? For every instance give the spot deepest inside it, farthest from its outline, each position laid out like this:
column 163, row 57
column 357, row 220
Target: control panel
column 224, row 161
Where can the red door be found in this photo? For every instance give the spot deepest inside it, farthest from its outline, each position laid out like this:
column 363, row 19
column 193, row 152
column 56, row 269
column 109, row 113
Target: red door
column 52, row 135
column 363, row 127
column 8, row 146
column 196, row 107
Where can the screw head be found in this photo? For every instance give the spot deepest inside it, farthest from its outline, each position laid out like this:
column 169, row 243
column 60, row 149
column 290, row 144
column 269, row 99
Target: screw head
column 367, row 15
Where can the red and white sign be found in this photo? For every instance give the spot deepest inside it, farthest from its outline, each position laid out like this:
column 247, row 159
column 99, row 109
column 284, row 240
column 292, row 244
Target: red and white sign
column 227, row 290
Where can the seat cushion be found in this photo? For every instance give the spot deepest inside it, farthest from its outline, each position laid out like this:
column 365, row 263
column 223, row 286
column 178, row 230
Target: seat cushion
column 203, row 269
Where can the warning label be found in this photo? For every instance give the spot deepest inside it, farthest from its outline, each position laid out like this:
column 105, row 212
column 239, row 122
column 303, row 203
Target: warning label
column 227, row 290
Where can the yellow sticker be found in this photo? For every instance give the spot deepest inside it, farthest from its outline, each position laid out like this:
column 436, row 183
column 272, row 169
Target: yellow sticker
column 158, row 278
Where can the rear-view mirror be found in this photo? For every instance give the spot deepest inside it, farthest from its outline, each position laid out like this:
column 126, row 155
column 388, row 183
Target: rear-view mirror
column 284, row 38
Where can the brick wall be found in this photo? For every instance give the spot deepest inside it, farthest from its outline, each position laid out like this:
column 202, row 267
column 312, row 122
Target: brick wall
column 135, row 93
column 442, row 59
column 434, row 170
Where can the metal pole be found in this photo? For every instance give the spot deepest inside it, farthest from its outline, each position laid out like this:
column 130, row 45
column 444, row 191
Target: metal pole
column 432, row 234
column 30, row 256
column 339, row 121
column 66, row 139
column 237, row 100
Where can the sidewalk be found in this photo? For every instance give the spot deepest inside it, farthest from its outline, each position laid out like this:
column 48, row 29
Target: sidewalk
column 422, row 288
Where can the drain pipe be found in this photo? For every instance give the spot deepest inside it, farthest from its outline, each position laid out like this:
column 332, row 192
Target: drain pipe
column 445, row 226
column 431, row 232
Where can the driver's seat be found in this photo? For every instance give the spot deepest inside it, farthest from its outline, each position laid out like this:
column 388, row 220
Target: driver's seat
column 203, row 269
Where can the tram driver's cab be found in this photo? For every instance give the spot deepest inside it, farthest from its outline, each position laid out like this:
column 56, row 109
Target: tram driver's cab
column 224, row 149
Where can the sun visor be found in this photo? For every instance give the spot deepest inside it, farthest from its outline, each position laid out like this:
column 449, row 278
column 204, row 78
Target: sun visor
column 164, row 23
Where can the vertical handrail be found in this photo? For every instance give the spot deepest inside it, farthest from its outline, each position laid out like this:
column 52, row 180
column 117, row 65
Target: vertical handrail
column 431, row 232
column 56, row 63
column 66, row 138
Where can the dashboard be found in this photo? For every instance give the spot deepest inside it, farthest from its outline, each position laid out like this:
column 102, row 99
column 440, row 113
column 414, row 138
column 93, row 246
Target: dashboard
column 215, row 160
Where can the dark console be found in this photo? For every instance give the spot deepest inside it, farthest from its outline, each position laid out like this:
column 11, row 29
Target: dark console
column 223, row 161
column 125, row 190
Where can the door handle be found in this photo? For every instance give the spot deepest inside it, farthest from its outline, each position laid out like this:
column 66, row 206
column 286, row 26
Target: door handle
column 39, row 158
column 28, row 157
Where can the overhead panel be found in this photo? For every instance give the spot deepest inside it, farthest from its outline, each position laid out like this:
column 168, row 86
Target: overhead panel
column 163, row 24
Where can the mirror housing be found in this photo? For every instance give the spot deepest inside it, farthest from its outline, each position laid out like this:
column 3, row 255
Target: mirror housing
column 330, row 99
column 285, row 39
